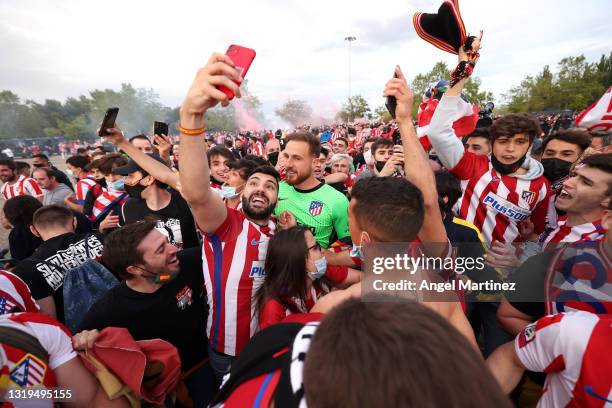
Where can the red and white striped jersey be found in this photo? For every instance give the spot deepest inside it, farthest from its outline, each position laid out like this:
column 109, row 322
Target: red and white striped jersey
column 15, row 296
column 591, row 231
column 105, row 199
column 258, row 149
column 574, row 350
column 233, row 264
column 495, row 203
column 23, row 186
column 82, row 187
column 21, row 369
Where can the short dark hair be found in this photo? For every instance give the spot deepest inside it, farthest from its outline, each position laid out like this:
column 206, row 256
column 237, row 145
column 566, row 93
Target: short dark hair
column 324, row 151
column 140, row 136
column 480, row 132
column 578, row 137
column 343, row 140
column 20, row 210
column 603, row 162
column 8, row 163
column 369, row 140
column 418, row 353
column 448, row 186
column 219, row 151
column 269, row 170
column 120, row 247
column 380, row 143
column 20, row 165
column 110, row 161
column 606, row 137
column 79, row 162
column 40, row 156
column 245, row 167
column 257, row 159
column 52, row 216
column 81, row 150
column 228, row 143
column 390, row 209
column 314, row 144
column 514, row 123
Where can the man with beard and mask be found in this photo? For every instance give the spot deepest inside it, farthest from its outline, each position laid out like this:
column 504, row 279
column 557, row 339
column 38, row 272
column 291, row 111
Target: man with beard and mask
column 150, row 197
column 235, row 242
column 160, row 297
column 501, row 191
column 314, row 204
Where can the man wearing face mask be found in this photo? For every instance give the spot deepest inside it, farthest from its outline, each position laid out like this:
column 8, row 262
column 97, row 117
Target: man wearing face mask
column 501, row 191
column 106, row 208
column 273, row 149
column 150, row 197
column 559, row 151
column 160, row 297
column 239, row 173
column 387, row 161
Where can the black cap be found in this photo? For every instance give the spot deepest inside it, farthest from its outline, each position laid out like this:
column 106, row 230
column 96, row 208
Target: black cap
column 132, row 167
column 444, row 29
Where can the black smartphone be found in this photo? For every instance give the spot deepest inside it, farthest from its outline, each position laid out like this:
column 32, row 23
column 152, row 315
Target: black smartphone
column 160, row 128
column 391, row 102
column 109, row 121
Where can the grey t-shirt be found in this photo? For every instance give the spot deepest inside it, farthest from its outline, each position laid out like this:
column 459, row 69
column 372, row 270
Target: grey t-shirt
column 57, row 195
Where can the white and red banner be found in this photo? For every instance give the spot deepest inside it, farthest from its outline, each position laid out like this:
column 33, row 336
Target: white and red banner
column 598, row 116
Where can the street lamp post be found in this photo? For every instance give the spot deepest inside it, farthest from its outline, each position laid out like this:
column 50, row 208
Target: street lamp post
column 350, row 39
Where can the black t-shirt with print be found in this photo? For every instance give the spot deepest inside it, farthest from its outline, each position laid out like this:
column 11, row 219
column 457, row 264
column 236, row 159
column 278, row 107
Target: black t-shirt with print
column 59, row 254
column 175, row 220
column 176, row 312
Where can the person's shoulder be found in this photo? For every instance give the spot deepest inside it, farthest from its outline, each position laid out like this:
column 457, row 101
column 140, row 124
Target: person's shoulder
column 331, row 194
column 468, row 229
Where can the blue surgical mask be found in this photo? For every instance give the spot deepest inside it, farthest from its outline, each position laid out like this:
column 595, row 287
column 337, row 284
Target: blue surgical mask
column 116, row 185
column 356, row 252
column 228, row 192
column 70, row 173
column 321, row 265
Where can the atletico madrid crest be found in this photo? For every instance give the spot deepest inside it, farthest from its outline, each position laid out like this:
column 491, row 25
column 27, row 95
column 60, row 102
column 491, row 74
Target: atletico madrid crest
column 29, row 371
column 315, row 208
column 528, row 196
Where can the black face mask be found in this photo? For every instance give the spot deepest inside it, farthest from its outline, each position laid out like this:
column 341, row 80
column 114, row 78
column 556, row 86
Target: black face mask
column 101, row 181
column 555, row 169
column 39, row 165
column 506, row 168
column 273, row 158
column 380, row 165
column 135, row 191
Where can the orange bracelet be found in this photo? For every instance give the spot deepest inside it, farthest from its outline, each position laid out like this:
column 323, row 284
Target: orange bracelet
column 191, row 132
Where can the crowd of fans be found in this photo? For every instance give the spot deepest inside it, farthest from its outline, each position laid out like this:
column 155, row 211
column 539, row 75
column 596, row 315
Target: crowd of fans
column 244, row 253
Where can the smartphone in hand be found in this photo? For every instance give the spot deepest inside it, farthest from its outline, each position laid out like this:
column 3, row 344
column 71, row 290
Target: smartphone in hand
column 109, row 121
column 391, row 103
column 160, row 128
column 242, row 58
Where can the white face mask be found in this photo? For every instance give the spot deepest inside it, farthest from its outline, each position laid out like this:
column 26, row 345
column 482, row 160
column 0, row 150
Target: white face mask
column 70, row 173
column 367, row 156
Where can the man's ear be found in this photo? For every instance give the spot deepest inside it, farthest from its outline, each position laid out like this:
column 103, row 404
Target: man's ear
column 34, row 231
column 150, row 181
column 365, row 238
column 133, row 270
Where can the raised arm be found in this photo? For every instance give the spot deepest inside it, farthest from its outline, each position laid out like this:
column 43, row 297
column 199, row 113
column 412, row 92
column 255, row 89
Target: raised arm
column 208, row 208
column 416, row 163
column 153, row 167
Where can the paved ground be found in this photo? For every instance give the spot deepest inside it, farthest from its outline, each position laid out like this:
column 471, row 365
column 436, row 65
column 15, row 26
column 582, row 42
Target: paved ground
column 57, row 162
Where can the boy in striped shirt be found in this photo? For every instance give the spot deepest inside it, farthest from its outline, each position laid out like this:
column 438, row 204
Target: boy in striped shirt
column 499, row 191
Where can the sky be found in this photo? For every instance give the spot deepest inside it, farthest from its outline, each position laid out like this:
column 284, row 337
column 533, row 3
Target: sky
column 62, row 48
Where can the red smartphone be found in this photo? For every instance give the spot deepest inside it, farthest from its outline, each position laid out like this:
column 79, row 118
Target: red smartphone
column 242, row 57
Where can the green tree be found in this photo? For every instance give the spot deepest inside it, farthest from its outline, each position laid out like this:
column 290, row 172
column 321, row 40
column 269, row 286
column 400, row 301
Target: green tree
column 354, row 108
column 576, row 84
column 296, row 112
column 382, row 113
column 440, row 71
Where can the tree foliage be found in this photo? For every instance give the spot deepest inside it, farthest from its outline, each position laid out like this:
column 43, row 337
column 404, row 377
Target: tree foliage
column 296, row 112
column 355, row 107
column 440, row 70
column 576, row 84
